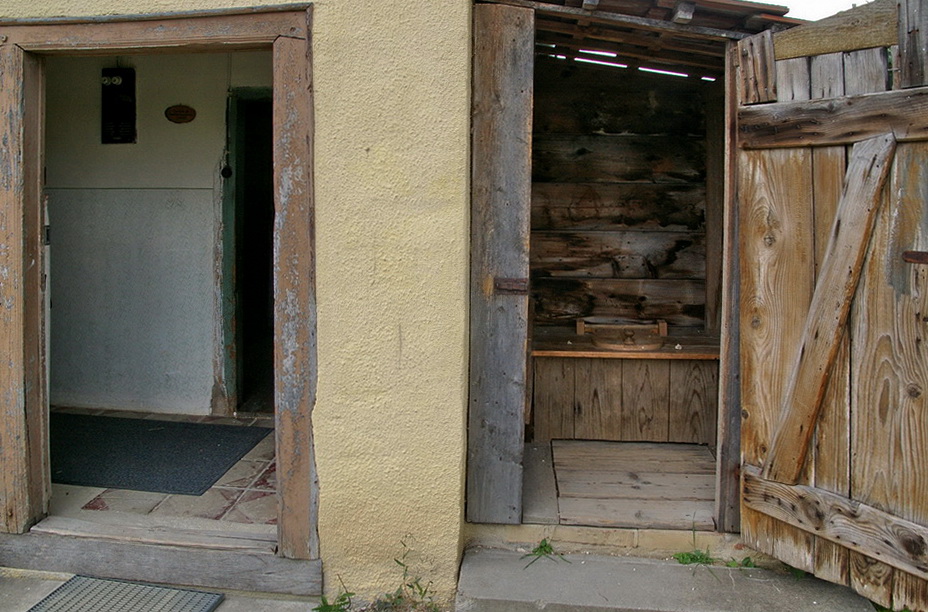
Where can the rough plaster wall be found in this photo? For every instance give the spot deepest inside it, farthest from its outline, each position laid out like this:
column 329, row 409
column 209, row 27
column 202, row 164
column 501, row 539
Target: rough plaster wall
column 134, row 320
column 392, row 104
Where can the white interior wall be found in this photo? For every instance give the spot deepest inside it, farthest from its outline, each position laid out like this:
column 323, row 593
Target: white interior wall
column 135, row 321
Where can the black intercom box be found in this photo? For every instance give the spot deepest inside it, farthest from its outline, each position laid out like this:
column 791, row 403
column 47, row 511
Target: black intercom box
column 118, row 106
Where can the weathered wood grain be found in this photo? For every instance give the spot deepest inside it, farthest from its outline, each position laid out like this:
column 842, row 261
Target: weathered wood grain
column 562, row 301
column 611, row 206
column 866, row 71
column 869, row 25
column 555, row 393
column 857, row 526
column 826, row 76
column 872, row 579
column 294, row 299
column 913, row 43
column 618, row 254
column 500, row 205
column 187, row 32
column 757, row 69
column 869, row 164
column 776, row 283
column 728, row 443
column 598, row 400
column 577, row 158
column 645, row 400
column 166, row 564
column 793, row 79
column 847, row 120
column 16, row 491
column 888, row 362
column 564, row 342
column 35, row 362
column 635, row 484
column 693, row 402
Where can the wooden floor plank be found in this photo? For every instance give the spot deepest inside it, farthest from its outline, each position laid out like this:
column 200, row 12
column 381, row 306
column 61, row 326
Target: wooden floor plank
column 637, row 513
column 634, row 484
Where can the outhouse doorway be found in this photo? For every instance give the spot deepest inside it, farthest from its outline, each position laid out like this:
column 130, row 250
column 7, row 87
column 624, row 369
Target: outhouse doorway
column 279, row 37
column 602, row 325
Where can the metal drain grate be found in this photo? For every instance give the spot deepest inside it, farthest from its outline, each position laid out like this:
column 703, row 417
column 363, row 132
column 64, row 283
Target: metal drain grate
column 82, row 594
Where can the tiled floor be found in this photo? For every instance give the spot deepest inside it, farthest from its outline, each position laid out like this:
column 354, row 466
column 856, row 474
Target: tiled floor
column 246, row 494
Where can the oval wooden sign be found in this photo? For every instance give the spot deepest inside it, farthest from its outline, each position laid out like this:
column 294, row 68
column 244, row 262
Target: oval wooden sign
column 180, row 113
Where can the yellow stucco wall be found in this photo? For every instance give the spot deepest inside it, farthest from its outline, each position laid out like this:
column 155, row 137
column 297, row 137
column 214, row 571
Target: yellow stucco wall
column 392, row 104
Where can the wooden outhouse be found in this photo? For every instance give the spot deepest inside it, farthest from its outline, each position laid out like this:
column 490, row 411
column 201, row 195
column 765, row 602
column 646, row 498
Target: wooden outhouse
column 769, row 209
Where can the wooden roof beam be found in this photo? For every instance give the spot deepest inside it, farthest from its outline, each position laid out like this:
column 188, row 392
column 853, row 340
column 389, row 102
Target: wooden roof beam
column 595, row 37
column 683, row 12
column 632, row 58
column 641, row 23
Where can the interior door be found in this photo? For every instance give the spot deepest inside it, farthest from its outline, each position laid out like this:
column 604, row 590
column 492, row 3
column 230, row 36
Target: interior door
column 832, row 164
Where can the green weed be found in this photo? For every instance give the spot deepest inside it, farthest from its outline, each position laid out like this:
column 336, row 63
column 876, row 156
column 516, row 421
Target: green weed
column 695, row 557
column 341, row 603
column 746, row 563
column 544, row 550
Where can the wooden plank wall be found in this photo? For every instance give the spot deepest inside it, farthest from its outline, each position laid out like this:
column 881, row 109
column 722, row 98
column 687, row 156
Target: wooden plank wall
column 871, row 439
column 618, row 195
column 647, row 400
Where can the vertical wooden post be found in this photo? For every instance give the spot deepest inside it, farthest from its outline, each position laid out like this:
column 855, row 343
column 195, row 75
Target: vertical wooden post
column 504, row 49
column 728, row 467
column 23, row 422
column 295, row 365
column 913, row 42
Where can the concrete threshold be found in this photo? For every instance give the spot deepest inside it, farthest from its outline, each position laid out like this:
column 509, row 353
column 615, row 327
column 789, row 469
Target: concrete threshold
column 499, row 581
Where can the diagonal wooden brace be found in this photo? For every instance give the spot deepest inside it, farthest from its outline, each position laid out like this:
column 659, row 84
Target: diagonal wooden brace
column 866, row 174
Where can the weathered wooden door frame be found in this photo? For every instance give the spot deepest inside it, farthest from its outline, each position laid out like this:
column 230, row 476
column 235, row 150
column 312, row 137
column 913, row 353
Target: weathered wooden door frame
column 25, row 484
column 501, row 200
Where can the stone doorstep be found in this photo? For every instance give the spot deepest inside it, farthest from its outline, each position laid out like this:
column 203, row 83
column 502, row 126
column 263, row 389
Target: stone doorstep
column 499, row 581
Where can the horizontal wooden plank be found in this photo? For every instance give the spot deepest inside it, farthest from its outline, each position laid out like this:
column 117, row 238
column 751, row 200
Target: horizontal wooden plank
column 637, row 513
column 867, row 26
column 193, row 31
column 837, row 121
column 598, row 158
column 588, row 99
column 164, row 564
column 618, row 254
column 859, row 527
column 611, row 206
column 562, row 301
column 564, row 342
column 171, row 536
column 635, row 484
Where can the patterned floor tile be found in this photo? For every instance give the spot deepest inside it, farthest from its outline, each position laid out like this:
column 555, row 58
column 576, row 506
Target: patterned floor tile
column 267, row 481
column 120, row 500
column 211, row 505
column 263, row 450
column 254, row 507
column 242, row 474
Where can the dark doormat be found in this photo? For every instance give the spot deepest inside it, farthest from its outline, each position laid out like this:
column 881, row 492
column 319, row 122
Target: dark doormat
column 145, row 455
column 82, row 594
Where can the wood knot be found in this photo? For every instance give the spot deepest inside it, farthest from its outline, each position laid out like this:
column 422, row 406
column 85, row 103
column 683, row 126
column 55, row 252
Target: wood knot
column 913, row 544
column 914, row 391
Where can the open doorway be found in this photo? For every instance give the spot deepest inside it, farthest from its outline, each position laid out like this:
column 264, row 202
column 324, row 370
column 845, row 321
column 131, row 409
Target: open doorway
column 135, row 203
column 248, row 238
column 624, row 307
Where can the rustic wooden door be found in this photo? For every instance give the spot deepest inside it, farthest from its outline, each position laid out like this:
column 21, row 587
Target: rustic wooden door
column 832, row 200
